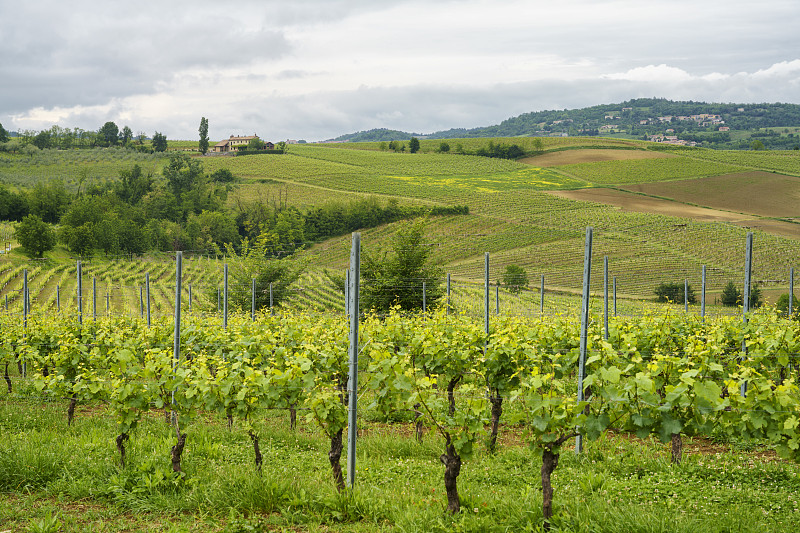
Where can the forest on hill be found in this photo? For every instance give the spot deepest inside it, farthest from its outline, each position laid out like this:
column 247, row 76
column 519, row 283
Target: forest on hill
column 776, row 126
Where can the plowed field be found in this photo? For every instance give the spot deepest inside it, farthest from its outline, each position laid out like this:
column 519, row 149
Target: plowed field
column 571, row 157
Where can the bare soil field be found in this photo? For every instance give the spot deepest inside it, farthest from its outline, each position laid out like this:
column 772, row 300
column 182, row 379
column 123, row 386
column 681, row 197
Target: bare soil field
column 570, row 157
column 640, row 203
column 755, row 193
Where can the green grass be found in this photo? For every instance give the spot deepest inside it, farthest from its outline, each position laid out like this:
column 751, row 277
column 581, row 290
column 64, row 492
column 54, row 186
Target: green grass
column 72, row 475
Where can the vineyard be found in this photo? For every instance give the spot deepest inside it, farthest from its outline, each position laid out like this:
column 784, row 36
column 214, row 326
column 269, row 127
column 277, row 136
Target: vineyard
column 783, row 161
column 500, row 409
column 687, row 422
column 74, row 167
column 644, row 171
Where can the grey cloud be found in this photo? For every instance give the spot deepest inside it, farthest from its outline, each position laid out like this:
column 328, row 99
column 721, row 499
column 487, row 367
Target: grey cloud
column 83, row 54
column 293, row 74
column 425, row 109
column 66, row 54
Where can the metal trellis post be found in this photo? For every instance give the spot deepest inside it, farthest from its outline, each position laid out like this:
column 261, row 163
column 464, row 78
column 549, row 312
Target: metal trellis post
column 605, row 297
column 352, row 382
column 587, row 271
column 225, row 298
column 703, row 296
column 748, row 264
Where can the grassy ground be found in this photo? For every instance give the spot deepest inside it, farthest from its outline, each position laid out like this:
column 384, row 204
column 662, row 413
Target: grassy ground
column 58, row 478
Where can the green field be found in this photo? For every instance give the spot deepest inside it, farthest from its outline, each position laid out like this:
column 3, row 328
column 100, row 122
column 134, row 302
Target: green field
column 648, row 170
column 75, row 167
column 511, row 214
column 56, row 477
column 783, row 161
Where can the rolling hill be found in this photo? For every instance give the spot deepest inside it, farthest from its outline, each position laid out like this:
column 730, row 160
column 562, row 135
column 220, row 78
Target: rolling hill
column 774, row 125
column 659, row 214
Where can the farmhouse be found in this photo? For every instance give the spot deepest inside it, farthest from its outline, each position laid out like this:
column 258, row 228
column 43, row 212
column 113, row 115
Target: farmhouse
column 232, row 143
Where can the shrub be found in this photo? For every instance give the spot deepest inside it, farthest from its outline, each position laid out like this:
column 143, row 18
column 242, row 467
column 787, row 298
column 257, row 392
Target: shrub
column 732, row 296
column 673, row 293
column 35, row 236
column 515, row 279
column 783, row 306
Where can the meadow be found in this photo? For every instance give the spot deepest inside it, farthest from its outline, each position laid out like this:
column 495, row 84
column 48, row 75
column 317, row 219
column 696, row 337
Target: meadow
column 619, row 485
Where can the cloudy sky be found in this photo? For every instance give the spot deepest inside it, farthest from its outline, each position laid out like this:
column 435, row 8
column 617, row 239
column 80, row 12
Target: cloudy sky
column 315, row 69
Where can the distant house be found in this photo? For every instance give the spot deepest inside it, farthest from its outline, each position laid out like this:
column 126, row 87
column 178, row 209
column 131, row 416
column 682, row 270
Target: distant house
column 269, row 146
column 232, row 143
column 724, row 128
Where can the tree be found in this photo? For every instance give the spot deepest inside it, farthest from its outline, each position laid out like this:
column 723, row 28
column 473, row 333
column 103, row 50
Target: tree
column 126, row 136
column 732, row 296
column 132, row 237
column 211, row 229
column 49, row 201
column 444, row 147
column 757, row 145
column 515, row 279
column 79, row 240
column 30, row 150
column 3, row 134
column 413, row 145
column 106, row 235
column 396, row 277
column 203, row 135
column 190, row 186
column 756, row 299
column 109, row 134
column 255, row 144
column 673, row 293
column 133, row 185
column 222, row 175
column 159, row 142
column 35, row 236
column 42, row 140
column 783, row 306
column 253, row 263
column 13, row 206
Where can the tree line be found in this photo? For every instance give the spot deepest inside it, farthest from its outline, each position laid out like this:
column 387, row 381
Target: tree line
column 184, row 208
column 56, row 137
